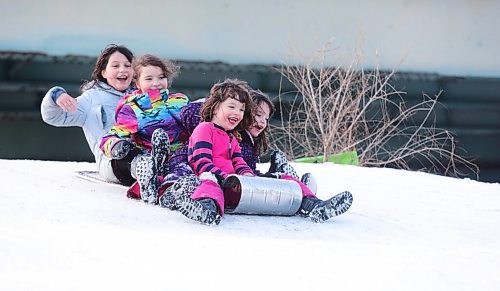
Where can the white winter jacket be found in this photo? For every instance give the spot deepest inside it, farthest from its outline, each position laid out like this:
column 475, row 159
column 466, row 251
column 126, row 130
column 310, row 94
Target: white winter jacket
column 95, row 115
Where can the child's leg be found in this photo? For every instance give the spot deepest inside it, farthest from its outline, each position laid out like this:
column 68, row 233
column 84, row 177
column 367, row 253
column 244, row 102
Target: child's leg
column 182, row 188
column 203, row 210
column 306, row 192
column 180, row 176
column 206, row 204
column 123, row 170
column 318, row 210
column 178, row 166
column 309, row 180
column 323, row 210
column 212, row 190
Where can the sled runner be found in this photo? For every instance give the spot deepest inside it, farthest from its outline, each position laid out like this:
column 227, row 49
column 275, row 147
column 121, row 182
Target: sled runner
column 93, row 176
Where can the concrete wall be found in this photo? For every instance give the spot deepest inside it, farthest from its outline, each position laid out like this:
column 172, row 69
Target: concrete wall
column 446, row 37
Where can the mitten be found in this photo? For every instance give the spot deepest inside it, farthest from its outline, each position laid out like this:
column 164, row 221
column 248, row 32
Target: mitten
column 121, row 149
column 274, row 175
column 213, row 177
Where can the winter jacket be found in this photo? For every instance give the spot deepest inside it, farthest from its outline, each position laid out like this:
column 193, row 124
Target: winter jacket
column 190, row 118
column 139, row 114
column 248, row 152
column 212, row 149
column 95, row 115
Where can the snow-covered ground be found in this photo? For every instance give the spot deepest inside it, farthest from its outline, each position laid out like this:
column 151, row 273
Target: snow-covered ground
column 405, row 231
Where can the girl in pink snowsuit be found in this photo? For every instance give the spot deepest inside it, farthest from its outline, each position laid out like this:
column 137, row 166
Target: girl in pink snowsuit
column 214, row 153
column 213, row 150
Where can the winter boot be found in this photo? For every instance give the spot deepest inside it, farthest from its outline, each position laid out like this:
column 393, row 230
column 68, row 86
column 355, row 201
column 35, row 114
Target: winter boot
column 203, row 210
column 279, row 164
column 160, row 149
column 309, row 180
column 168, row 200
column 320, row 211
column 183, row 187
column 147, row 178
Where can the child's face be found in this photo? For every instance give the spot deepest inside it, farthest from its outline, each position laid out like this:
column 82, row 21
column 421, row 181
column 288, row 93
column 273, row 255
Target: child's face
column 118, row 72
column 151, row 77
column 229, row 113
column 261, row 119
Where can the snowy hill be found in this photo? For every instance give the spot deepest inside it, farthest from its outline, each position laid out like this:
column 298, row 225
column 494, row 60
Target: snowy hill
column 405, row 231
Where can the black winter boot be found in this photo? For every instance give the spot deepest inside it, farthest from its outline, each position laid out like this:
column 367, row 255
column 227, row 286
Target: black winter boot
column 203, row 210
column 182, row 188
column 309, row 180
column 167, row 199
column 280, row 165
column 185, row 186
column 320, row 211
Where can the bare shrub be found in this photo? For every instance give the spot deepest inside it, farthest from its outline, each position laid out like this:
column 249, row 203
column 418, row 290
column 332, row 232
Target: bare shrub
column 334, row 109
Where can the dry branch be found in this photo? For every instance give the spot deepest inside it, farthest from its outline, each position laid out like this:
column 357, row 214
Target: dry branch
column 344, row 108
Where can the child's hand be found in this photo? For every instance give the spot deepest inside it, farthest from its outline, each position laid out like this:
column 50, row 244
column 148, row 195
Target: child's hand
column 121, row 149
column 67, row 103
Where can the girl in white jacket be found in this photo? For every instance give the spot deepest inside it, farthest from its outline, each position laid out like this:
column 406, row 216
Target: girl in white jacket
column 94, row 109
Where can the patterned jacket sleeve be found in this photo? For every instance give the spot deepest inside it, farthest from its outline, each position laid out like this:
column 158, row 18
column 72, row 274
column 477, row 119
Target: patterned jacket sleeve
column 126, row 125
column 190, row 116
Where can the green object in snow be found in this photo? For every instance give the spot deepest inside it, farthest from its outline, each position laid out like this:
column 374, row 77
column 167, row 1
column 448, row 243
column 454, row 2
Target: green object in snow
column 345, row 158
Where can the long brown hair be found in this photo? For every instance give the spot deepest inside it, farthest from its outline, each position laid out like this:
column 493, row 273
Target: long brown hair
column 261, row 141
column 220, row 92
column 102, row 62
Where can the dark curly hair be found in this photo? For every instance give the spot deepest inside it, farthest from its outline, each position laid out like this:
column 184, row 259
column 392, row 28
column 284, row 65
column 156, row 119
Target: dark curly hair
column 261, row 142
column 220, row 92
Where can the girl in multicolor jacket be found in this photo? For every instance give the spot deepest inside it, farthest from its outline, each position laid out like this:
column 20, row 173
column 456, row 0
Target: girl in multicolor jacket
column 214, row 153
column 146, row 120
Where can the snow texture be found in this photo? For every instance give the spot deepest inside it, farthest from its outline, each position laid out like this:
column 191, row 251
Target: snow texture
column 405, row 231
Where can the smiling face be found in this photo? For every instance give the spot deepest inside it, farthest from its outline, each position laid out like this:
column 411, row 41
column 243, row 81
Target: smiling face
column 151, row 77
column 229, row 113
column 261, row 119
column 118, row 72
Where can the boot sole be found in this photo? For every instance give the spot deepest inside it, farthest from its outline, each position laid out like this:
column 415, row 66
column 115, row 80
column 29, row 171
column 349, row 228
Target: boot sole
column 194, row 210
column 167, row 200
column 336, row 206
column 160, row 149
column 148, row 181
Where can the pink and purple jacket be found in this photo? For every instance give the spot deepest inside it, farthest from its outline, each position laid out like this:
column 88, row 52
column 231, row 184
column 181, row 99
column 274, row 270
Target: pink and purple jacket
column 212, row 149
column 138, row 114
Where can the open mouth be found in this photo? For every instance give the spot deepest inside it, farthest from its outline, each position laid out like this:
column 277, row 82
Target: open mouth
column 122, row 78
column 258, row 127
column 233, row 120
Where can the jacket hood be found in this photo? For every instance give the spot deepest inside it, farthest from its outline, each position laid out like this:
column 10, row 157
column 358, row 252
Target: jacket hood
column 104, row 86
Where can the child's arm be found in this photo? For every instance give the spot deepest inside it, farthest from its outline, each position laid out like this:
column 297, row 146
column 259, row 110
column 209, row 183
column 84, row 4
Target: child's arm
column 190, row 116
column 201, row 152
column 54, row 114
column 126, row 125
